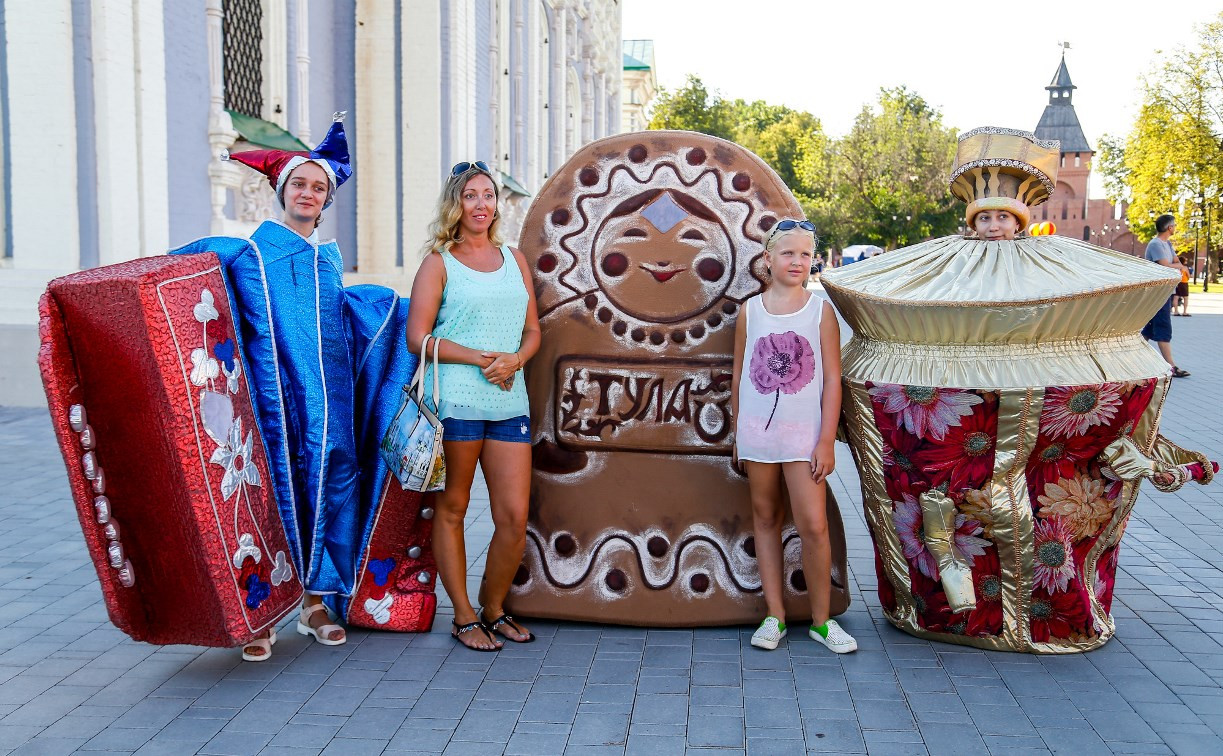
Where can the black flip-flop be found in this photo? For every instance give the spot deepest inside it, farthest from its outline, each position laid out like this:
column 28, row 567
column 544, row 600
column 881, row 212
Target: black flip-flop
column 477, row 625
column 506, row 619
column 1178, row 373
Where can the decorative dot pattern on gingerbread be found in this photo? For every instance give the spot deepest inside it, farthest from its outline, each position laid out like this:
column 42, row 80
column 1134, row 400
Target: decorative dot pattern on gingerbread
column 798, row 581
column 616, row 580
column 564, row 544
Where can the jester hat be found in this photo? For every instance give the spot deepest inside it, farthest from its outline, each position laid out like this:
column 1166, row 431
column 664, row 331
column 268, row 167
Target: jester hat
column 331, row 155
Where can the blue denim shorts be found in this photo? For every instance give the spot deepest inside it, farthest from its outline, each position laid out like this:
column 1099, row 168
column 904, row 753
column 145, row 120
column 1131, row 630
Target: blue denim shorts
column 1160, row 327
column 516, row 429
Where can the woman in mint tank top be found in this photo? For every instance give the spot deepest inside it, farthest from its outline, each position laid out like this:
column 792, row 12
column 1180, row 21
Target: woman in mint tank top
column 474, row 294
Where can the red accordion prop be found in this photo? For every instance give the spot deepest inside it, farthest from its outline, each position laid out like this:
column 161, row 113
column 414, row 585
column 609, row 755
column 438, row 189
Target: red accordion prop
column 150, row 404
column 394, row 588
column 145, row 385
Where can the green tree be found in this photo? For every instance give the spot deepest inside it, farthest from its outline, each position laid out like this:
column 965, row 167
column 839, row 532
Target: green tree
column 693, row 107
column 753, row 118
column 802, row 154
column 891, row 172
column 885, row 182
column 1172, row 158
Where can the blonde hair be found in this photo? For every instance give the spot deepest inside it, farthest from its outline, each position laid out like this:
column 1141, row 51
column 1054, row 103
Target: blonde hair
column 444, row 231
column 770, row 241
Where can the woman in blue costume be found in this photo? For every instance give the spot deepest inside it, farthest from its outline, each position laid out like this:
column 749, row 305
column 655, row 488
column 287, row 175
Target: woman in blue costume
column 306, row 404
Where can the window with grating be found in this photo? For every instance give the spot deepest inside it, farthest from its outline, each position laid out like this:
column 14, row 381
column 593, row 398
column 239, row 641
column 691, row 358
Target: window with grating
column 242, row 35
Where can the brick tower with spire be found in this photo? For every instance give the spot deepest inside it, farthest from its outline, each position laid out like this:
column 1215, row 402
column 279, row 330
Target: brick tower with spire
column 1075, row 214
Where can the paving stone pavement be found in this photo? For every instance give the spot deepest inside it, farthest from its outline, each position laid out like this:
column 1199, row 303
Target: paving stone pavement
column 70, row 681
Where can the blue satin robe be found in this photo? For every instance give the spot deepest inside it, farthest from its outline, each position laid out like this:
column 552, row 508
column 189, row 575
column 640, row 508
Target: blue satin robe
column 326, row 367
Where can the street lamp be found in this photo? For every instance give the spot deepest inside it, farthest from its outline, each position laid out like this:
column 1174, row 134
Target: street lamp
column 1195, row 222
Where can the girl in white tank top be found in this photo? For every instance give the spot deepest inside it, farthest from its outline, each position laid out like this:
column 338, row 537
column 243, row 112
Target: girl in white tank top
column 786, row 399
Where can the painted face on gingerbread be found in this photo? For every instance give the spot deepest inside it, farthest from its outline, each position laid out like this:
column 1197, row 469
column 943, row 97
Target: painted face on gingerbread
column 662, row 257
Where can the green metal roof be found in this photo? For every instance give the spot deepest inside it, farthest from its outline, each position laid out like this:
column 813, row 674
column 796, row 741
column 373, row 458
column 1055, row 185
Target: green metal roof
column 638, row 54
column 265, row 133
column 513, row 185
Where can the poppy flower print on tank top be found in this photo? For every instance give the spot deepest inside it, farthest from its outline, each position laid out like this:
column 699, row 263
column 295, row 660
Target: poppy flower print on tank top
column 781, row 363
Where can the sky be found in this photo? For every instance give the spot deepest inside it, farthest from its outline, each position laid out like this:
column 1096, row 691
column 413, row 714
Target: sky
column 980, row 64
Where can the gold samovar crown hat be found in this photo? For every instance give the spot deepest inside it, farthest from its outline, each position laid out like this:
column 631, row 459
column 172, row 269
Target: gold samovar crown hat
column 1004, row 169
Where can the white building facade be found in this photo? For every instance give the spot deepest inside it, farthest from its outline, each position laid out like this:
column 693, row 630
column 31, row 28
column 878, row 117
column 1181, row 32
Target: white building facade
column 639, row 84
column 114, row 112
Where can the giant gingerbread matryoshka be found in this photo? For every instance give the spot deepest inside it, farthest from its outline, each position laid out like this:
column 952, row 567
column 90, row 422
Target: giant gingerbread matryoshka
column 643, row 248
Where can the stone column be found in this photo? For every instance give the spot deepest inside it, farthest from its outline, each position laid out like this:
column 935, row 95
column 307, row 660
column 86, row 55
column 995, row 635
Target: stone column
column 600, row 106
column 302, row 70
column 275, row 62
column 375, row 153
column 43, row 209
column 129, row 80
column 558, row 86
column 421, row 161
column 588, row 93
column 42, row 135
column 518, row 89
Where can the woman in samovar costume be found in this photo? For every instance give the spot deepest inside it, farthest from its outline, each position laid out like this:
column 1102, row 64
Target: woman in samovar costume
column 1002, row 407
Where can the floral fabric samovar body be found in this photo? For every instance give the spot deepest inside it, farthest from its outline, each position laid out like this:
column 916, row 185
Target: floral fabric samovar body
column 1002, row 408
column 643, row 249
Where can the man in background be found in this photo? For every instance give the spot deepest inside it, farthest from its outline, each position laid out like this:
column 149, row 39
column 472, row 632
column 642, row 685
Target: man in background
column 1159, row 330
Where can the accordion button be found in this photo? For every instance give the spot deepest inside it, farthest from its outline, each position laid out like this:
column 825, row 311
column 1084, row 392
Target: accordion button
column 414, row 552
column 427, row 513
column 111, row 530
column 101, row 509
column 88, row 440
column 424, row 578
column 114, row 551
column 76, row 417
column 127, row 575
column 99, row 482
column 89, row 465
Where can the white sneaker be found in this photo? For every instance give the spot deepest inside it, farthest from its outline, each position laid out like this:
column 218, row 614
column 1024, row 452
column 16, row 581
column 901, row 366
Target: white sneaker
column 838, row 641
column 769, row 634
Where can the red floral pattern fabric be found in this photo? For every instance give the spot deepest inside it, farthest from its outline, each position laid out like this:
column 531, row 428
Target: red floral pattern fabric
column 1074, row 499
column 936, row 438
column 954, row 454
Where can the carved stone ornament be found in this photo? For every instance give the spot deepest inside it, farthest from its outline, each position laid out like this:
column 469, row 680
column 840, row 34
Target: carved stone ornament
column 256, row 200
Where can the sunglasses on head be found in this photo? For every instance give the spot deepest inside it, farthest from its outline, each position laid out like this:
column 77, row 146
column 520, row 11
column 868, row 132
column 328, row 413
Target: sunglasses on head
column 789, row 224
column 463, row 167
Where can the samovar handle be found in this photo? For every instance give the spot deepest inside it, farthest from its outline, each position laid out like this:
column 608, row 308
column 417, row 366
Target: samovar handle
column 1167, row 465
